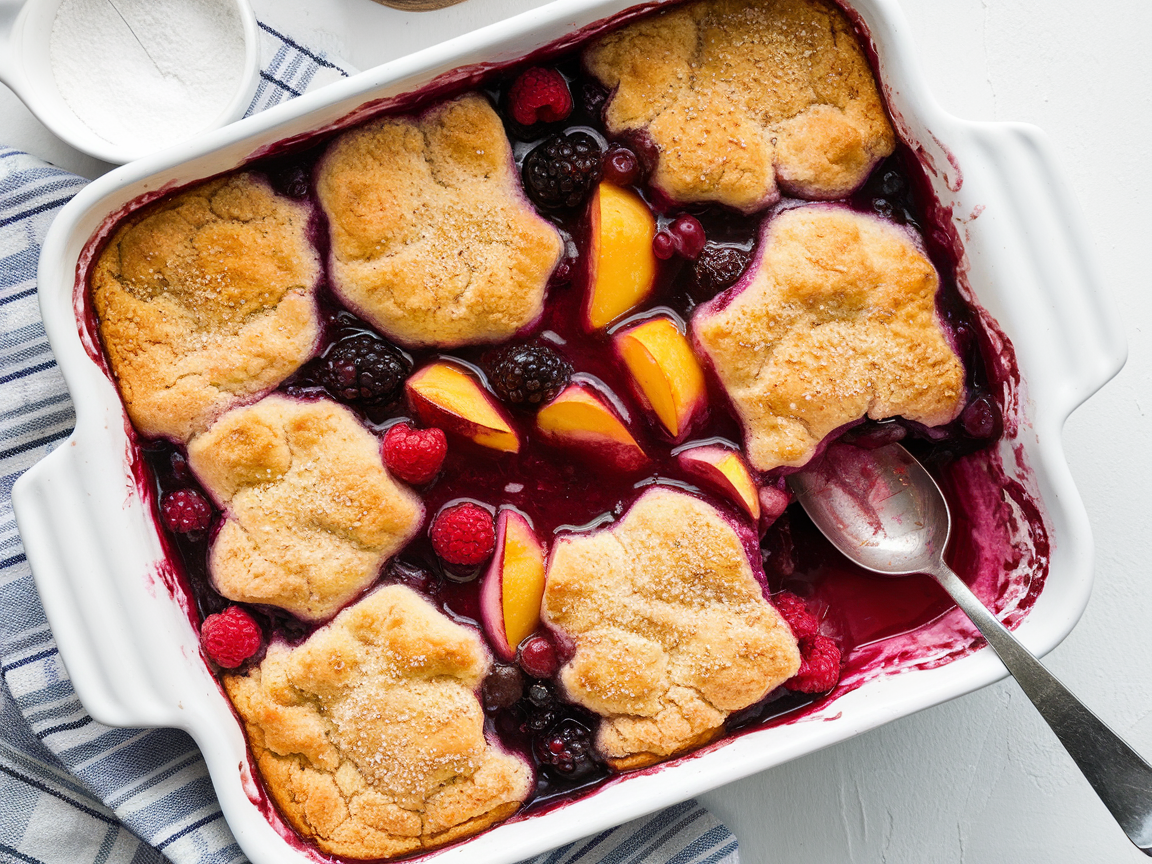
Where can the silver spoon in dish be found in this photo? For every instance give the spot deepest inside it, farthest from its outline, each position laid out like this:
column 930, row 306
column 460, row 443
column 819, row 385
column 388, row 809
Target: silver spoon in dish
column 883, row 510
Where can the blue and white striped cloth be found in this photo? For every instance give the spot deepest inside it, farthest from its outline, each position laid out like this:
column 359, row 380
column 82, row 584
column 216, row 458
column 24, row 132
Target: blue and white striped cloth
column 71, row 790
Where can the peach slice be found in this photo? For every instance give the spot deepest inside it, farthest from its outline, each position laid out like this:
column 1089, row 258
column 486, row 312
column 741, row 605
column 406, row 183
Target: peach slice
column 723, row 469
column 582, row 419
column 514, row 584
column 622, row 271
column 443, row 394
column 665, row 373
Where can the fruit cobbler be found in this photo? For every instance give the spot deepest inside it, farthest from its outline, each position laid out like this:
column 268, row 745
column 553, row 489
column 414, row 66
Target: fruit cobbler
column 468, row 425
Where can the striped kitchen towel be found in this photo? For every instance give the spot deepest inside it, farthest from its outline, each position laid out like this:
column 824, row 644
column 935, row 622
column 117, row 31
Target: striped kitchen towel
column 71, row 790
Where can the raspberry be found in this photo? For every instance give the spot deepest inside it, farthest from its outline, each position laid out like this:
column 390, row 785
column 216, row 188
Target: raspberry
column 463, row 534
column 795, row 611
column 621, row 166
column 185, row 510
column 528, row 375
column 819, row 666
column 717, row 268
column 688, row 235
column 414, row 455
column 363, row 369
column 539, row 95
column 537, row 656
column 562, row 170
column 567, row 748
column 230, row 637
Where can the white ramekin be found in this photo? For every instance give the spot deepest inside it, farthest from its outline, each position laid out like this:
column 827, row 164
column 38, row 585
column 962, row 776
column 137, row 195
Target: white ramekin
column 25, row 66
column 130, row 649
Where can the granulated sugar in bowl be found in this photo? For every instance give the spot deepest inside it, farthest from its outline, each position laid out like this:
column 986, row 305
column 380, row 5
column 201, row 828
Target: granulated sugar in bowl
column 144, row 74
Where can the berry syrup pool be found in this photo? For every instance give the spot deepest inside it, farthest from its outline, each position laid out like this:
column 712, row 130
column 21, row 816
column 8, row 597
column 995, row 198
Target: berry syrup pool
column 999, row 541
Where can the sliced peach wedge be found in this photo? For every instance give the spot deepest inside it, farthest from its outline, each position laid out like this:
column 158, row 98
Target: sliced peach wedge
column 622, row 268
column 665, row 373
column 446, row 395
column 514, row 584
column 582, row 419
column 722, row 469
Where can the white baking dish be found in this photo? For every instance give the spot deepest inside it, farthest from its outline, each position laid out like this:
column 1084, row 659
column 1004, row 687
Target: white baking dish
column 131, row 651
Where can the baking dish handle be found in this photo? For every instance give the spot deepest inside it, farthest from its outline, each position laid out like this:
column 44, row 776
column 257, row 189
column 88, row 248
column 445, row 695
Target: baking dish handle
column 1084, row 344
column 99, row 608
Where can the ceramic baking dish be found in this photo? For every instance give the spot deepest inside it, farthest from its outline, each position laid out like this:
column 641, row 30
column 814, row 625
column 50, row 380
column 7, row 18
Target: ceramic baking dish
column 131, row 651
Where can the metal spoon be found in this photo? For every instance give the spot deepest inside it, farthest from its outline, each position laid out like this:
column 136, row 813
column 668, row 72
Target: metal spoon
column 884, row 511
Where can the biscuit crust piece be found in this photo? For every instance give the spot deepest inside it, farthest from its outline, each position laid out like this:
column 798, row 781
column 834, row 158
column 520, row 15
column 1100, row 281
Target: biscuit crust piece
column 369, row 735
column 206, row 300
column 433, row 240
column 741, row 97
column 311, row 513
column 835, row 321
column 671, row 629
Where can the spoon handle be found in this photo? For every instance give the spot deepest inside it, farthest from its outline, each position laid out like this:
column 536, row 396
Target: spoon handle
column 1121, row 778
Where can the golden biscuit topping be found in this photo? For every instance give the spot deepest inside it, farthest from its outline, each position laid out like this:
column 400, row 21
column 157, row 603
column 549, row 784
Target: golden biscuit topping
column 370, row 734
column 741, row 95
column 671, row 629
column 206, row 300
column 835, row 321
column 432, row 238
column 311, row 513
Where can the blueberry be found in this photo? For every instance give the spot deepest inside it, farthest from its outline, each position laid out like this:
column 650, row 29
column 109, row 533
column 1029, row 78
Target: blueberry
column 502, row 688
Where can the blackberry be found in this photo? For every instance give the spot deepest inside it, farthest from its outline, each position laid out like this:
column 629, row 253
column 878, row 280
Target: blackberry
column 563, row 170
column 566, row 748
column 363, row 369
column 717, row 268
column 528, row 375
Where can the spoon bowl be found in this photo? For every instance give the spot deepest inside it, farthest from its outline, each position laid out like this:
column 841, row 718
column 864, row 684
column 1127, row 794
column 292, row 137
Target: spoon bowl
column 885, row 512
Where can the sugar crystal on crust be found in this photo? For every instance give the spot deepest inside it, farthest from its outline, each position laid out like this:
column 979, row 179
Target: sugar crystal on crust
column 369, row 735
column 433, row 240
column 311, row 513
column 742, row 96
column 206, row 300
column 671, row 629
column 835, row 321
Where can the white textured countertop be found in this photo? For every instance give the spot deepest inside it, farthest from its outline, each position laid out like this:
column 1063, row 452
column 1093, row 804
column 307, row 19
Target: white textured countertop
column 979, row 780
